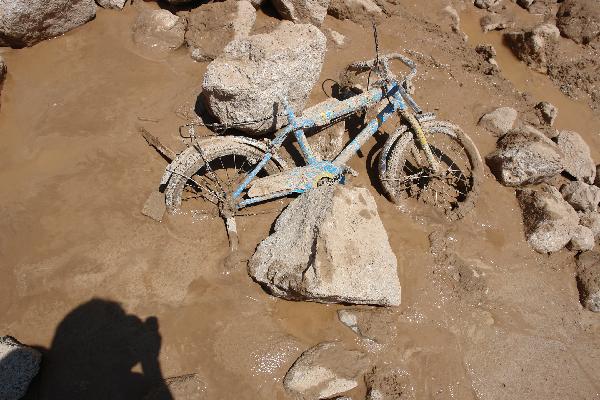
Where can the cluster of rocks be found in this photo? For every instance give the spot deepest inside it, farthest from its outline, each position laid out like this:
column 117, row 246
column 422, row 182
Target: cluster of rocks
column 19, row 364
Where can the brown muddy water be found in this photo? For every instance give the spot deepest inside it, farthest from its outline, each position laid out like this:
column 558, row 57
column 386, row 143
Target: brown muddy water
column 76, row 172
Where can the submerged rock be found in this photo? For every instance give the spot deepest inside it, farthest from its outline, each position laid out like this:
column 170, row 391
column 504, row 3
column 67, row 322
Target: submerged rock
column 547, row 112
column 246, row 84
column 579, row 20
column 534, row 46
column 27, row 22
column 374, row 324
column 302, row 11
column 525, row 156
column 494, row 22
column 362, row 12
column 501, row 120
column 588, row 276
column 325, row 371
column 581, row 196
column 550, row 222
column 389, row 384
column 329, row 246
column 159, row 30
column 19, row 364
column 213, row 25
column 577, row 158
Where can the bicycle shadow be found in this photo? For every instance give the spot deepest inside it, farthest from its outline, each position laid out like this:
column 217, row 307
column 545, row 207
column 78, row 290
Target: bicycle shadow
column 93, row 355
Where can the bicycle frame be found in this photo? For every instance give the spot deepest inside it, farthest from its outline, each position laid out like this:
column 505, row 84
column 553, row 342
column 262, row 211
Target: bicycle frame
column 398, row 99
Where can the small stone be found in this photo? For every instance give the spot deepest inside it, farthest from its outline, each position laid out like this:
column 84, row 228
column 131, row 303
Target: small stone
column 485, row 4
column 591, row 220
column 582, row 240
column 19, row 364
column 577, row 159
column 337, row 38
column 389, row 384
column 525, row 3
column 155, row 206
column 547, row 112
column 494, row 22
column 488, row 51
column 588, row 276
column 115, row 4
column 159, row 30
column 362, row 12
column 502, row 119
column 302, row 11
column 581, row 196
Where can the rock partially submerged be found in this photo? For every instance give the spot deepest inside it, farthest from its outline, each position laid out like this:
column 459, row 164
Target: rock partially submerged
column 499, row 121
column 494, row 22
column 27, row 22
column 550, row 222
column 389, row 384
column 373, row 324
column 19, row 364
column 547, row 112
column 246, row 84
column 302, row 11
column 159, row 31
column 577, row 159
column 325, row 371
column 525, row 156
column 329, row 246
column 213, row 25
column 534, row 46
column 588, row 276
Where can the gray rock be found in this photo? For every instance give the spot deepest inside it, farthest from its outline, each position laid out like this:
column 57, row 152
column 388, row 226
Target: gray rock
column 19, row 364
column 577, row 158
column 547, row 112
column 550, row 222
column 248, row 81
column 485, row 4
column 329, row 246
column 115, row 4
column 525, row 156
column 159, row 31
column 591, row 220
column 362, row 12
column 324, row 371
column 27, row 22
column 581, row 196
column 501, row 120
column 214, row 25
column 588, row 276
column 582, row 240
column 579, row 20
column 302, row 11
column 390, row 384
column 494, row 22
column 534, row 46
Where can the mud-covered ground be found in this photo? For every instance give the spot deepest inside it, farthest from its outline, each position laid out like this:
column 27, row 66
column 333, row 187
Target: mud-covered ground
column 482, row 317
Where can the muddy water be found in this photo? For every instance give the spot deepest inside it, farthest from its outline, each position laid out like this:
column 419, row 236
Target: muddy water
column 76, row 173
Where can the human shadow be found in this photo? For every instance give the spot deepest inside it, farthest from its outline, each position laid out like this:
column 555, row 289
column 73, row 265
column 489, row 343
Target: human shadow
column 93, row 355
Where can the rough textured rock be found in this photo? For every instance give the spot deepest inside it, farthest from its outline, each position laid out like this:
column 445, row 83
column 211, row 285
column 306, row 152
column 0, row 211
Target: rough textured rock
column 591, row 220
column 581, row 196
column 547, row 112
column 324, row 371
column 214, row 25
column 597, row 180
column 27, row 22
column 116, row 4
column 329, row 246
column 494, row 22
column 362, row 12
column 534, row 46
column 582, row 240
column 588, row 277
column 389, row 384
column 485, row 4
column 524, row 156
column 549, row 221
column 302, row 11
column 248, row 81
column 159, row 30
column 499, row 121
column 19, row 364
column 579, row 20
column 577, row 158
column 525, row 3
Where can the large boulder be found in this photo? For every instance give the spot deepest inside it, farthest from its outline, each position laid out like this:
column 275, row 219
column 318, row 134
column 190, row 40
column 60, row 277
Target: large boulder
column 213, row 25
column 302, row 11
column 19, row 364
column 362, row 12
column 159, row 31
column 499, row 121
column 588, row 276
column 329, row 246
column 244, row 87
column 577, row 158
column 579, row 20
column 27, row 22
column 581, row 196
column 534, row 46
column 325, row 371
column 550, row 222
column 525, row 156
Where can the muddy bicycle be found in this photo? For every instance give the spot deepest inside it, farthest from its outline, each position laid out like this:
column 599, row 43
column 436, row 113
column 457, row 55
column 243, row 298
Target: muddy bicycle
column 432, row 161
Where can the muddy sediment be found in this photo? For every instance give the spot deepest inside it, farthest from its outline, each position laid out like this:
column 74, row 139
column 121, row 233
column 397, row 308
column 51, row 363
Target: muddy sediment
column 483, row 316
